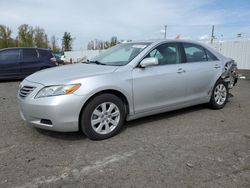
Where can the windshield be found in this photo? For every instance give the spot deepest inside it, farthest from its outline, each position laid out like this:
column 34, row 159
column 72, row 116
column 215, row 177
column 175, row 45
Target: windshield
column 120, row 54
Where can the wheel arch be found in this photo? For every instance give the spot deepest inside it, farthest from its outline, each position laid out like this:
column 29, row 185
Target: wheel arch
column 109, row 91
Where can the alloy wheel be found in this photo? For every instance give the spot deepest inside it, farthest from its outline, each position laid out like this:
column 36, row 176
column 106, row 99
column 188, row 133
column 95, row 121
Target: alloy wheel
column 105, row 118
column 220, row 94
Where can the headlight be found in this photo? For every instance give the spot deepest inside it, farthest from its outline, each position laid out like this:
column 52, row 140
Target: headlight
column 57, row 90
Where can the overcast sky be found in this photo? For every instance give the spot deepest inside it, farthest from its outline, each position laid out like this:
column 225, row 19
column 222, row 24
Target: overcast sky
column 129, row 19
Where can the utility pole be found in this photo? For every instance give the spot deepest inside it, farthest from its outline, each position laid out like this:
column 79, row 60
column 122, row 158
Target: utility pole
column 165, row 33
column 212, row 35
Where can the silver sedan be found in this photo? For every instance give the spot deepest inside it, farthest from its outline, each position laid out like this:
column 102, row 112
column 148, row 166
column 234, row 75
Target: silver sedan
column 126, row 82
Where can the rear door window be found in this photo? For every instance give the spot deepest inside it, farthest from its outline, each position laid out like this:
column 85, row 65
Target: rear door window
column 12, row 55
column 194, row 53
column 30, row 54
column 210, row 56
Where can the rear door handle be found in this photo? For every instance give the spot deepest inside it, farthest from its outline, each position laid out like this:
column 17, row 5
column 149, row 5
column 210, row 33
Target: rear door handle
column 180, row 70
column 216, row 66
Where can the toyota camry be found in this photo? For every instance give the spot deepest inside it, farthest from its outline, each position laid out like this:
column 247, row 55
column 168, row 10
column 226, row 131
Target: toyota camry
column 125, row 82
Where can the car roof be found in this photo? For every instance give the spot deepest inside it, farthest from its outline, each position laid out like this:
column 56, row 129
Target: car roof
column 165, row 40
column 155, row 42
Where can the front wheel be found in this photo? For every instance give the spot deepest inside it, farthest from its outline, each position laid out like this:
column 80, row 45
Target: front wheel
column 103, row 117
column 219, row 95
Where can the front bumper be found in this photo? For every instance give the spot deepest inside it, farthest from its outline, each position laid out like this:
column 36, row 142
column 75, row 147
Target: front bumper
column 58, row 113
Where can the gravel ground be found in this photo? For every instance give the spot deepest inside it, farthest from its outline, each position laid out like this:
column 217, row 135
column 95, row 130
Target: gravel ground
column 192, row 147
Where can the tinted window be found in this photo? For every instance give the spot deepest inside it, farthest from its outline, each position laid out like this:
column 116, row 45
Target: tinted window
column 210, row 56
column 166, row 54
column 194, row 53
column 10, row 55
column 43, row 53
column 29, row 54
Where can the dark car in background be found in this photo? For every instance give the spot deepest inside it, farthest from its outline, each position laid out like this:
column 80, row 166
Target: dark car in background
column 17, row 63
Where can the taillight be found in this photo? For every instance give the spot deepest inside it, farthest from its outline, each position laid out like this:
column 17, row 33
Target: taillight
column 53, row 60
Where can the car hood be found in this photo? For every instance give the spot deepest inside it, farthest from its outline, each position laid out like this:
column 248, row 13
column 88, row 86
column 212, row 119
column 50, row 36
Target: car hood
column 68, row 73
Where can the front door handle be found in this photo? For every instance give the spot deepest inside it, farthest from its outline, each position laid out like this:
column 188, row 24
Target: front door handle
column 180, row 70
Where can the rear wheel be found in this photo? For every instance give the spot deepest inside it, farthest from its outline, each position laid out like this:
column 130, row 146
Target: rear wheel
column 219, row 95
column 103, row 117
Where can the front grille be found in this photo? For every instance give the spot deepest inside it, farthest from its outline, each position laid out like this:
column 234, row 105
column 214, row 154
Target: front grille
column 25, row 91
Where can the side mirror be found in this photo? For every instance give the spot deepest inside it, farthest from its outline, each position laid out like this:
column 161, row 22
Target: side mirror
column 149, row 62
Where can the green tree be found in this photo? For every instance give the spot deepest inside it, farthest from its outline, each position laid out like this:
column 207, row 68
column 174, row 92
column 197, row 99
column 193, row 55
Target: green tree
column 46, row 41
column 40, row 38
column 67, row 42
column 5, row 37
column 25, row 36
column 106, row 45
column 113, row 41
column 100, row 45
column 91, row 45
column 54, row 46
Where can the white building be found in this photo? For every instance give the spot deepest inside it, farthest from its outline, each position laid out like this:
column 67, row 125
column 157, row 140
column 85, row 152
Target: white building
column 76, row 56
column 237, row 50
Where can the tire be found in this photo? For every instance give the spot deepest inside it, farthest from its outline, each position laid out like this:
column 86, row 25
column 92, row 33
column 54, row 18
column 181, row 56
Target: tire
column 103, row 117
column 219, row 95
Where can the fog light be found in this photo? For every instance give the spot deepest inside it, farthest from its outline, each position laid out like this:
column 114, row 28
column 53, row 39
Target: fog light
column 46, row 121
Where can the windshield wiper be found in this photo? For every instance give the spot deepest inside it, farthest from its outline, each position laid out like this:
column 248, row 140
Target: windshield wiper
column 95, row 62
column 85, row 61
